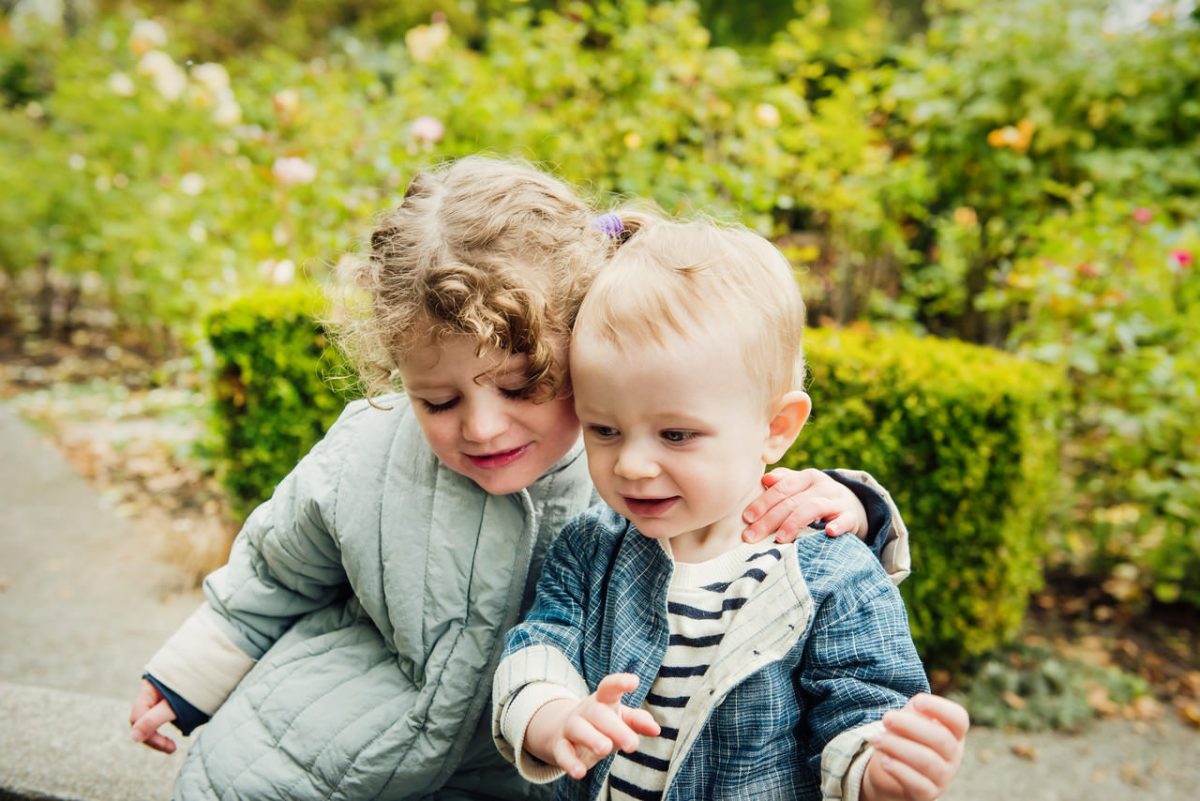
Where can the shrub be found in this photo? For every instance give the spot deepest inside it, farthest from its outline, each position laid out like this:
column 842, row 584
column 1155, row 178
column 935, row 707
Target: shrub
column 964, row 438
column 1112, row 296
column 274, row 387
column 1019, row 109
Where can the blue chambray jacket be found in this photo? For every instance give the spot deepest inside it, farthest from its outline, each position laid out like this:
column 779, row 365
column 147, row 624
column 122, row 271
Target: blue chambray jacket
column 804, row 673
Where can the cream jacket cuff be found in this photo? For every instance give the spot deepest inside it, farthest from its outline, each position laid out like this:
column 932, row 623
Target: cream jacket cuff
column 201, row 662
column 525, row 670
column 514, row 722
column 844, row 761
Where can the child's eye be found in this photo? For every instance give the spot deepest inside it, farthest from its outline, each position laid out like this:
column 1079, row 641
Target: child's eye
column 603, row 432
column 676, row 436
column 434, row 408
column 514, row 394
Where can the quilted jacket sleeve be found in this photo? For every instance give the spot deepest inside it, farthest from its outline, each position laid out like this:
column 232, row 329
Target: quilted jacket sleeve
column 888, row 537
column 284, row 563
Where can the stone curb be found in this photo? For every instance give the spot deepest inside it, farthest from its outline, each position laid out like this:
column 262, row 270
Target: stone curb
column 70, row 746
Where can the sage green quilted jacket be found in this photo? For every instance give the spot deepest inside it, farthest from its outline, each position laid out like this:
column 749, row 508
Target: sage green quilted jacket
column 346, row 650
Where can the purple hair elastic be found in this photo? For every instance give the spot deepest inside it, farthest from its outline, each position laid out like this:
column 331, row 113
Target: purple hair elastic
column 610, row 224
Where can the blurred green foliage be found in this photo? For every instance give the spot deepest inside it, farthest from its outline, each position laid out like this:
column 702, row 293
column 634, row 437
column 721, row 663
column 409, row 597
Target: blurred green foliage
column 964, row 437
column 278, row 386
column 1023, row 109
column 1113, row 297
column 1031, row 688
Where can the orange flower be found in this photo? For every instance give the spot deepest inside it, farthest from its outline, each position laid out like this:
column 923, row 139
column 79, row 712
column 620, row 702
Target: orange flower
column 1016, row 136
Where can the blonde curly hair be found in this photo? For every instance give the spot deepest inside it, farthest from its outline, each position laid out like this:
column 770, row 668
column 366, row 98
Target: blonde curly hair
column 490, row 248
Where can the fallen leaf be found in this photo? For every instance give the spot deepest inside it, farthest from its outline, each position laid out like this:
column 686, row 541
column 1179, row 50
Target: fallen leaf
column 1024, row 751
column 1099, row 700
column 1189, row 712
column 1146, row 707
column 1013, row 700
column 1131, row 774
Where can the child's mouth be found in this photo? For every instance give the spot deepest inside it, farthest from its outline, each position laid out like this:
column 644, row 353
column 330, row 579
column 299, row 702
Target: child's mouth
column 650, row 507
column 493, row 461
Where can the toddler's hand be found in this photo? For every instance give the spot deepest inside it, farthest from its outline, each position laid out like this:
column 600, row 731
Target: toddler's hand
column 150, row 712
column 578, row 735
column 918, row 755
column 794, row 499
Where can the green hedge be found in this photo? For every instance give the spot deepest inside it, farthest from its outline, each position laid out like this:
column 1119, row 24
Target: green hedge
column 274, row 386
column 964, row 437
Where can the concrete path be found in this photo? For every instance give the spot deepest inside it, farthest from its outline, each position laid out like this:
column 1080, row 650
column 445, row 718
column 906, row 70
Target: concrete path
column 85, row 598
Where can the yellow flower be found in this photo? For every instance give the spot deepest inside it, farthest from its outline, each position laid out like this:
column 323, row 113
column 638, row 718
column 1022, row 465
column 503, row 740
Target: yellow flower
column 633, row 140
column 965, row 217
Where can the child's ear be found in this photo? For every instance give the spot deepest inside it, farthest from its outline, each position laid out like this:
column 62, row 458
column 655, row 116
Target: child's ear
column 790, row 413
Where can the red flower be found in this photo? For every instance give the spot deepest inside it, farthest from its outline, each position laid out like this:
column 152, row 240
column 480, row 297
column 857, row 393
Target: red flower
column 1142, row 215
column 1182, row 258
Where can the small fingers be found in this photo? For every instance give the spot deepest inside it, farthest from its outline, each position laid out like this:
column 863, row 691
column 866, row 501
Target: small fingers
column 916, row 786
column 146, row 727
column 920, row 758
column 609, row 722
column 566, row 758
column 641, row 721
column 909, row 724
column 786, row 519
column 582, row 732
column 779, row 484
column 160, row 742
column 147, row 697
column 950, row 714
column 614, row 686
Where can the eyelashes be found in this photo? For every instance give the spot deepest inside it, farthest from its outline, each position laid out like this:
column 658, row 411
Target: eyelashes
column 673, row 436
column 445, row 406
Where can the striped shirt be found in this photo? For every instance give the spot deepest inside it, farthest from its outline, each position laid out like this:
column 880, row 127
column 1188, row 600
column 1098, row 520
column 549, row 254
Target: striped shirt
column 702, row 601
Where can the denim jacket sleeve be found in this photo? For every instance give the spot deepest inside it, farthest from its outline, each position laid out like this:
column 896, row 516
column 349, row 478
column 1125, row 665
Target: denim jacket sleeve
column 544, row 651
column 859, row 662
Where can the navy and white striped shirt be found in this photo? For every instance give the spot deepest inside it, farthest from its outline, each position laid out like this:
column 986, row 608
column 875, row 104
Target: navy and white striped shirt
column 702, row 601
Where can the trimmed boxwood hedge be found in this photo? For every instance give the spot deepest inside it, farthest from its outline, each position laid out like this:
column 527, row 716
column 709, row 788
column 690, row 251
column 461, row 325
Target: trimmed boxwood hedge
column 963, row 436
column 276, row 381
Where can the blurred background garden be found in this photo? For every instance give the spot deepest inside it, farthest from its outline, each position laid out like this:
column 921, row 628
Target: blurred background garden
column 991, row 207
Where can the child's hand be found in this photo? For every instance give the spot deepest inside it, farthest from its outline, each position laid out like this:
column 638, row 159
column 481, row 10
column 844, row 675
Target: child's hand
column 918, row 755
column 794, row 499
column 575, row 736
column 151, row 711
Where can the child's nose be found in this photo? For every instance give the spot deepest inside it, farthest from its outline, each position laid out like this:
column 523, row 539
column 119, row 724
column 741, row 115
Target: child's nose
column 634, row 463
column 483, row 422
